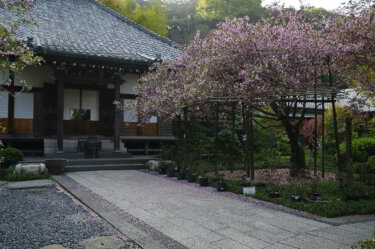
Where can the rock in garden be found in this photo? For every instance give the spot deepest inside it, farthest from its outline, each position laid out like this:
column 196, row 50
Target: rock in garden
column 110, row 242
column 153, row 164
column 53, row 247
column 30, row 168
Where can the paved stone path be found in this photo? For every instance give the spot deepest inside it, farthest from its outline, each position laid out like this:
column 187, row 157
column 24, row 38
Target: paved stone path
column 202, row 220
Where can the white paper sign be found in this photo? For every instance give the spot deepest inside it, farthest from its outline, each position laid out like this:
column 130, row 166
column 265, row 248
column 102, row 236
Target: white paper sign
column 249, row 191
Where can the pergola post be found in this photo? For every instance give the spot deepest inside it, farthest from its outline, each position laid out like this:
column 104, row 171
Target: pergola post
column 323, row 146
column 251, row 145
column 315, row 136
column 11, row 99
column 117, row 118
column 60, row 72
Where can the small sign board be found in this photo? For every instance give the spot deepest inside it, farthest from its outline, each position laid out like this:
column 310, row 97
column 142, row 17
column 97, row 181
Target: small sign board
column 249, row 190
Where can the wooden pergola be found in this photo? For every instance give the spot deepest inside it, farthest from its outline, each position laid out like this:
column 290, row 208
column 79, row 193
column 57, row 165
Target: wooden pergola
column 316, row 97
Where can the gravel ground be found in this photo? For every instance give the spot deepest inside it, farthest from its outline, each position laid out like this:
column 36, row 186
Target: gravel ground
column 35, row 218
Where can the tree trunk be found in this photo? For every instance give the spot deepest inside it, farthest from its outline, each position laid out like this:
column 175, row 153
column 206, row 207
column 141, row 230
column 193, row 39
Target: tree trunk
column 297, row 158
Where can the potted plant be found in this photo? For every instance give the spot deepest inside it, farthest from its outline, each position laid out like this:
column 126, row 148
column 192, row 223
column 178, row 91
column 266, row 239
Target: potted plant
column 221, row 186
column 181, row 175
column 203, row 181
column 191, row 177
column 170, row 171
column 273, row 191
column 56, row 166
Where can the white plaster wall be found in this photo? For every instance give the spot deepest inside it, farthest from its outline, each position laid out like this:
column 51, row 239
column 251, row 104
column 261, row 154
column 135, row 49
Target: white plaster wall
column 24, row 106
column 71, row 101
column 90, row 100
column 131, row 81
column 35, row 76
column 3, row 104
column 130, row 115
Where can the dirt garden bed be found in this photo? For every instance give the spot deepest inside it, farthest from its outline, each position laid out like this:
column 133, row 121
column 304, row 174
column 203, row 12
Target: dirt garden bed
column 276, row 176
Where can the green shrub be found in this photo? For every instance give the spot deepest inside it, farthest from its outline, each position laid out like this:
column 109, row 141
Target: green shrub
column 10, row 156
column 371, row 162
column 366, row 244
column 362, row 149
column 13, row 177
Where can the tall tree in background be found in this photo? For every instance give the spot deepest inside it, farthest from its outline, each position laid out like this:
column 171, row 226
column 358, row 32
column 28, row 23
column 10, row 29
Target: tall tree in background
column 189, row 16
column 150, row 14
column 220, row 9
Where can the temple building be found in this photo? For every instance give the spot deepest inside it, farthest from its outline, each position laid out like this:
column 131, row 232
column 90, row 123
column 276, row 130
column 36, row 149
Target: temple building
column 93, row 56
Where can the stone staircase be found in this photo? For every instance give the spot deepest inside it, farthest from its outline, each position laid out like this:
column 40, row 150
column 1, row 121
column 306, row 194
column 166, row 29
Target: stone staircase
column 81, row 164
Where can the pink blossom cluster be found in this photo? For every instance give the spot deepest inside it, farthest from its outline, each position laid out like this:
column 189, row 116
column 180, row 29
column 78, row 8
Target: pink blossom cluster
column 259, row 63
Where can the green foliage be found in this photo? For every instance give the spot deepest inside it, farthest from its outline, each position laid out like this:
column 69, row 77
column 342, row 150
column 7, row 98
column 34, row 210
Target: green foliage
column 362, row 149
column 371, row 162
column 320, row 13
column 328, row 190
column 151, row 15
column 13, row 177
column 9, row 156
column 271, row 144
column 366, row 244
column 342, row 113
column 219, row 9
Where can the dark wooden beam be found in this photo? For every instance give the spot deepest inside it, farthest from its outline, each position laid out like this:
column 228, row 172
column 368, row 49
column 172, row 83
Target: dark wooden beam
column 60, row 73
column 118, row 120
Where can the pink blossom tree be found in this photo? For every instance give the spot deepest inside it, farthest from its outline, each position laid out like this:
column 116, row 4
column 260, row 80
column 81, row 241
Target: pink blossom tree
column 355, row 28
column 271, row 63
column 15, row 55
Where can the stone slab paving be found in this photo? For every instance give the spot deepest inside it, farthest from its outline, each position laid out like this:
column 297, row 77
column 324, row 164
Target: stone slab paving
column 196, row 218
column 30, row 184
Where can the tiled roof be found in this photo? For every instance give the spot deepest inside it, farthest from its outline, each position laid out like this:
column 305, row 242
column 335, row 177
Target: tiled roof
column 87, row 28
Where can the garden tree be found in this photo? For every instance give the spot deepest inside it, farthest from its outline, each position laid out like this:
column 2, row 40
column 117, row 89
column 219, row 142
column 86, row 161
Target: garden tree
column 258, row 64
column 357, row 27
column 149, row 14
column 15, row 55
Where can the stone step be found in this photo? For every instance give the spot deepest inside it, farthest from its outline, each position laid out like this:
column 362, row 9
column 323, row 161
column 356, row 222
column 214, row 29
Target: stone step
column 130, row 166
column 106, row 161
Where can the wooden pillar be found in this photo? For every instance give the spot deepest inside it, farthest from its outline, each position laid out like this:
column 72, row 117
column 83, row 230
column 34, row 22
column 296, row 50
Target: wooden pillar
column 60, row 72
column 118, row 120
column 251, row 145
column 349, row 153
column 323, row 138
column 315, row 136
column 247, row 158
column 10, row 128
